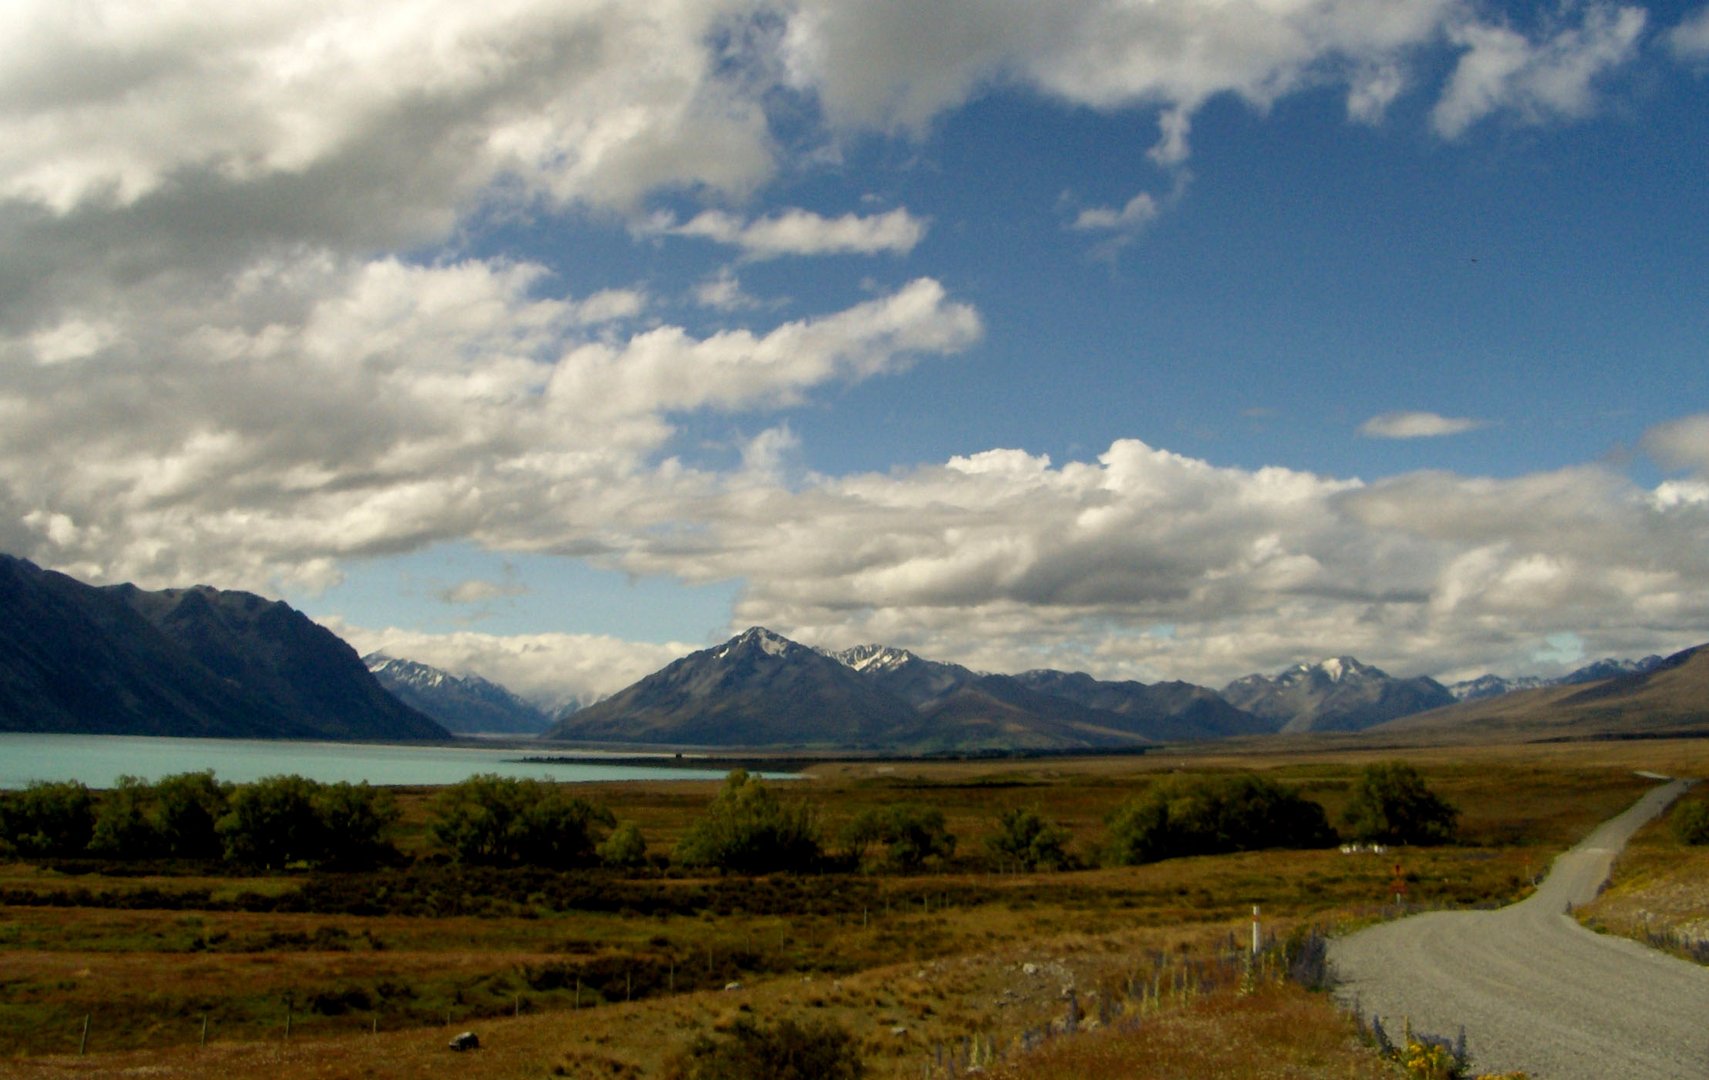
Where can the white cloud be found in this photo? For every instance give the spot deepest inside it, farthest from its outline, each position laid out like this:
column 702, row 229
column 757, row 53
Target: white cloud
column 801, row 232
column 1690, row 39
column 1136, row 213
column 723, row 292
column 1417, row 425
column 479, row 591
column 1681, row 444
column 546, row 669
column 1502, row 70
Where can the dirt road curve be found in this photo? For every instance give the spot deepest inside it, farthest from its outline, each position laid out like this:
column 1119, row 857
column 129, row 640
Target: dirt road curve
column 1535, row 990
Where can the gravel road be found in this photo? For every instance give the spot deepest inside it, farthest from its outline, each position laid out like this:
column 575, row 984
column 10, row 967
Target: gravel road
column 1535, row 990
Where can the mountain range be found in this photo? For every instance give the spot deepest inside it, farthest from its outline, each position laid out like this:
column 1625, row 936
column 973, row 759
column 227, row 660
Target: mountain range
column 118, row 660
column 464, row 704
column 201, row 661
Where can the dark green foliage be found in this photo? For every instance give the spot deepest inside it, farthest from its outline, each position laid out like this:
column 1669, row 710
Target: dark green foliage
column 625, row 847
column 1025, row 839
column 747, row 829
column 498, row 821
column 272, row 823
column 1214, row 816
column 1690, row 823
column 354, row 820
column 281, row 820
column 186, row 813
column 1392, row 805
column 786, row 1051
column 124, row 828
column 48, row 818
column 909, row 832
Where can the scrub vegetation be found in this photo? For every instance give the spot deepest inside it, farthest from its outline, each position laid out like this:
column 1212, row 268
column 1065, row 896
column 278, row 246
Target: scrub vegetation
column 927, row 916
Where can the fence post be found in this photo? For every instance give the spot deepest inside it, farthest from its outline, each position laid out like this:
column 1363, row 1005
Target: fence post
column 83, row 1041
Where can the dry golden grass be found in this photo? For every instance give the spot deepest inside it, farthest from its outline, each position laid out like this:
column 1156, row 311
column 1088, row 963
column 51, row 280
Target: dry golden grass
column 906, row 964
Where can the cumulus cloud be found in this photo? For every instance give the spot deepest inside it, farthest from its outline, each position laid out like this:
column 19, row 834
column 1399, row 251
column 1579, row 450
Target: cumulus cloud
column 800, row 232
column 1690, row 39
column 1149, row 564
column 550, row 670
column 323, row 408
column 1681, row 444
column 1417, row 425
column 1502, row 70
column 1136, row 213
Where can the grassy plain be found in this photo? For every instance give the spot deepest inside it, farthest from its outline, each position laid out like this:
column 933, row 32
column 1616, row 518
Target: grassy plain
column 601, row 974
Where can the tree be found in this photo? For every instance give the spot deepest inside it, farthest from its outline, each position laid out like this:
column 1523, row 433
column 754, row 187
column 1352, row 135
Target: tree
column 48, row 818
column 354, row 820
column 910, row 833
column 186, row 813
column 124, row 825
column 273, row 822
column 748, row 830
column 1392, row 805
column 1026, row 839
column 499, row 820
column 625, row 847
column 1211, row 817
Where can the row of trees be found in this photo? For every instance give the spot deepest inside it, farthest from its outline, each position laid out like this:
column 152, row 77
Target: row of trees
column 499, row 821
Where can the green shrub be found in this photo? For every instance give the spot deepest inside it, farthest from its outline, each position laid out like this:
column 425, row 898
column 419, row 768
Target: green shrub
column 1690, row 821
column 749, row 830
column 625, row 846
column 1392, row 805
column 787, row 1051
column 910, row 834
column 1214, row 816
column 48, row 818
column 498, row 820
column 1025, row 839
column 281, row 820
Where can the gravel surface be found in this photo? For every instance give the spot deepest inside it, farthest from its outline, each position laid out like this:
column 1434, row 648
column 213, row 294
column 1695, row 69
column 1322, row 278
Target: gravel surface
column 1535, row 990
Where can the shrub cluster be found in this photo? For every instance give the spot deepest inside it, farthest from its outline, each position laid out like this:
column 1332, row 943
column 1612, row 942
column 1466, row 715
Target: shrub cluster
column 1391, row 805
column 1212, row 817
column 1690, row 822
column 908, row 833
column 788, row 1050
column 749, row 830
column 502, row 821
column 273, row 822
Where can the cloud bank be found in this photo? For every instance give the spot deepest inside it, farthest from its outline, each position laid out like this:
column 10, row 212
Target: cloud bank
column 221, row 365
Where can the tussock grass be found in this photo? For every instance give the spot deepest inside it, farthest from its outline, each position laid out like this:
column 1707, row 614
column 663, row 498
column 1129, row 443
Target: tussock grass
column 908, row 964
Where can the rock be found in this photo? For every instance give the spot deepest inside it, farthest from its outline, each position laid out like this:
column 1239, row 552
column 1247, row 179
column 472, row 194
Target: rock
column 468, row 1040
column 732, row 986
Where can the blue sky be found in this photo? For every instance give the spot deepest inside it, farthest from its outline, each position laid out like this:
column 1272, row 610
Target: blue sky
column 1178, row 340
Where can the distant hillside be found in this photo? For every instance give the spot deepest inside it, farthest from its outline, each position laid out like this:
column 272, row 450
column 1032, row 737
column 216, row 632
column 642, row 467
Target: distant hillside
column 1671, row 696
column 1340, row 694
column 1486, row 686
column 193, row 662
column 464, row 704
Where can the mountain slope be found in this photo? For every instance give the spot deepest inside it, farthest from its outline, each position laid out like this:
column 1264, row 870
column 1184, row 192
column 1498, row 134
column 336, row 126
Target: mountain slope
column 1339, row 694
column 1670, row 697
column 757, row 689
column 119, row 660
column 463, row 704
column 1166, row 710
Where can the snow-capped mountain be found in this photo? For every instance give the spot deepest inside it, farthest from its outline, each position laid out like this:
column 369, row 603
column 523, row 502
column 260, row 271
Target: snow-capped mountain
column 464, row 704
column 761, row 689
column 1488, row 686
column 1338, row 694
column 757, row 689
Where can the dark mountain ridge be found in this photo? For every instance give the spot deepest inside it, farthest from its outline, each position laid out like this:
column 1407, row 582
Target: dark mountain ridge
column 192, row 662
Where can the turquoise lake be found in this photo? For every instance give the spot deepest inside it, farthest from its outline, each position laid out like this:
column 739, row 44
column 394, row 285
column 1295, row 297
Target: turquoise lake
column 98, row 760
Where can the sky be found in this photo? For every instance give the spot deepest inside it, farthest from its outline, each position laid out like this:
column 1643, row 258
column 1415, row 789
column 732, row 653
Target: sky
column 1176, row 339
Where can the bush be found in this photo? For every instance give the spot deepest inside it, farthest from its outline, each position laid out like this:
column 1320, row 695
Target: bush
column 48, row 818
column 786, row 1051
column 1214, row 816
column 910, row 833
column 1391, row 805
column 1025, row 839
column 498, row 821
column 748, row 830
column 281, row 820
column 625, row 847
column 124, row 826
column 1690, row 823
column 186, row 813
